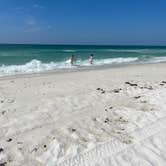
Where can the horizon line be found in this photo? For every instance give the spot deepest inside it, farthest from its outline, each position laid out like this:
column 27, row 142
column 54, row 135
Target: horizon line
column 73, row 44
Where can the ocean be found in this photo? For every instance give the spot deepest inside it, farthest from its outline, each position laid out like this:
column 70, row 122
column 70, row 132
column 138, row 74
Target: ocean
column 20, row 59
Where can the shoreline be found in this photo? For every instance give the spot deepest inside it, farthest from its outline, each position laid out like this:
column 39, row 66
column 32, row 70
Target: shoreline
column 67, row 71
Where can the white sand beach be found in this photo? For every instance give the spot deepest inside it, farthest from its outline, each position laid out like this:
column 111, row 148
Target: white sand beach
column 106, row 117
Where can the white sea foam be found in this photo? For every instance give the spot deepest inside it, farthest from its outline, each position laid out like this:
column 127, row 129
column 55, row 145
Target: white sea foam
column 157, row 59
column 130, row 50
column 35, row 66
column 115, row 61
column 69, row 51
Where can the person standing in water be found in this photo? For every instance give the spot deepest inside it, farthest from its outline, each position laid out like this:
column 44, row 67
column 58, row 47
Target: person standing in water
column 91, row 59
column 72, row 59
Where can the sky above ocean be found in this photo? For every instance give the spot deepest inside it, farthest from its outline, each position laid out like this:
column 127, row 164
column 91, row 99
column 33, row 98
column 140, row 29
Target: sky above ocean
column 117, row 22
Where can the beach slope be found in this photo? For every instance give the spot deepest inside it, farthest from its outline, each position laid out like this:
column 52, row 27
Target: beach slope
column 87, row 118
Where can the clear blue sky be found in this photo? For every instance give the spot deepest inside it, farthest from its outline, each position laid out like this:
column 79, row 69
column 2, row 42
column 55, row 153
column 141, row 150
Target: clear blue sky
column 83, row 21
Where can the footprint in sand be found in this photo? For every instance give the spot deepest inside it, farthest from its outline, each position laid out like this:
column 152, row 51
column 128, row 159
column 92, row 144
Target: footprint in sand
column 10, row 100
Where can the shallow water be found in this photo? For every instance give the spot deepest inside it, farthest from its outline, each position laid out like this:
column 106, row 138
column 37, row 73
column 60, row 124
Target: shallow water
column 17, row 59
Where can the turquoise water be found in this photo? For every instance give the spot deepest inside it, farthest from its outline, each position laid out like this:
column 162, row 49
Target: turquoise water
column 16, row 59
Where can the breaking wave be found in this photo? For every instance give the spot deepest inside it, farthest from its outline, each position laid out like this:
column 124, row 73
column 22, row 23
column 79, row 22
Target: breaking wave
column 35, row 66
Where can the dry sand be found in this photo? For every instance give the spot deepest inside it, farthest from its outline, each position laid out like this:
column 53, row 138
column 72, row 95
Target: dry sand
column 107, row 117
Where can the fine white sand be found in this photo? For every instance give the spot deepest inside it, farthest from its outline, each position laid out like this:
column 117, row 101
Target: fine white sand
column 108, row 117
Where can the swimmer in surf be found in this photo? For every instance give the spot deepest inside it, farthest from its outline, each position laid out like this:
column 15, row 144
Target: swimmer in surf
column 91, row 59
column 72, row 59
